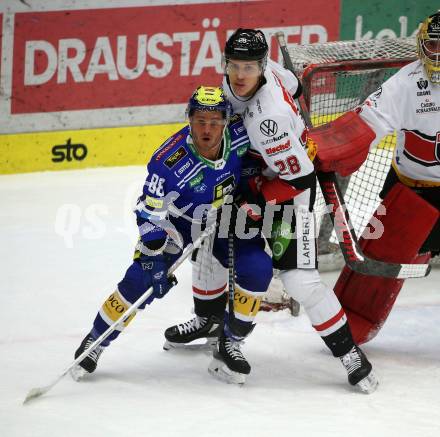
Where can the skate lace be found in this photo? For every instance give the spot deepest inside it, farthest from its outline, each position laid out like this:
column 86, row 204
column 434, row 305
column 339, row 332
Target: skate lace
column 192, row 325
column 233, row 349
column 352, row 360
column 95, row 353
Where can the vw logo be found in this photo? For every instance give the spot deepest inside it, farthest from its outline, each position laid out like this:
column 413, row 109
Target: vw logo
column 268, row 128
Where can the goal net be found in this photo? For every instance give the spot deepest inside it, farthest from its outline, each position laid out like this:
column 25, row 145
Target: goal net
column 337, row 77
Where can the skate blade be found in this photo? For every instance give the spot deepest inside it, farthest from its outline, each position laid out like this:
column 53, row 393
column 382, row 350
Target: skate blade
column 78, row 373
column 209, row 345
column 221, row 371
column 369, row 384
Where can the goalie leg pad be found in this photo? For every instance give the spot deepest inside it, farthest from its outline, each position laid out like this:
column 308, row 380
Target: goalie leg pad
column 368, row 300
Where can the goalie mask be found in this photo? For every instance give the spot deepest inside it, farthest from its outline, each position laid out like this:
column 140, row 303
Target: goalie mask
column 428, row 46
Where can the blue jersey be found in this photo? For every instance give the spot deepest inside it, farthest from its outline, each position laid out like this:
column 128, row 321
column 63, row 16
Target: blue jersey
column 182, row 185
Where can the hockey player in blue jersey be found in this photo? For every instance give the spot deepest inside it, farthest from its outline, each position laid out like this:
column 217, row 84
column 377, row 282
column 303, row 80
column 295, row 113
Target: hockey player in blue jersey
column 193, row 169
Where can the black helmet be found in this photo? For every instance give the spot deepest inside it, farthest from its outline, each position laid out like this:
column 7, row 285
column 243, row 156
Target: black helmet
column 247, row 44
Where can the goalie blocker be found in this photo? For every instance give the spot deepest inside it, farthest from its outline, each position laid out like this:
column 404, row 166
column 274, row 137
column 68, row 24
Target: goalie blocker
column 368, row 300
column 342, row 144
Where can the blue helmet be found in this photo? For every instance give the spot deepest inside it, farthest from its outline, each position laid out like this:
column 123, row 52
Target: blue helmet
column 207, row 98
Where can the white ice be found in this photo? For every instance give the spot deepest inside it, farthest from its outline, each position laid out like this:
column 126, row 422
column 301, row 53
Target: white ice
column 66, row 240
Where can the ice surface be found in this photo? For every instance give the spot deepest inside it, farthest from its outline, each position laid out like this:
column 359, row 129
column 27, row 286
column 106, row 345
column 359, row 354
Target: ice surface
column 66, row 239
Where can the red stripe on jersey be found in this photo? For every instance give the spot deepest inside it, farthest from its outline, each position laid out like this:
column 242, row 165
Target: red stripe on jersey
column 287, row 97
column 423, row 149
column 330, row 322
column 208, row 292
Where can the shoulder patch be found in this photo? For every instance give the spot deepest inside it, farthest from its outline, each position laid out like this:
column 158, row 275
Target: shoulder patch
column 173, row 159
column 167, row 146
column 235, row 118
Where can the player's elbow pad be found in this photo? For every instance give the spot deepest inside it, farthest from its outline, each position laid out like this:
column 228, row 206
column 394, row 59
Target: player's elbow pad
column 155, row 244
column 148, row 231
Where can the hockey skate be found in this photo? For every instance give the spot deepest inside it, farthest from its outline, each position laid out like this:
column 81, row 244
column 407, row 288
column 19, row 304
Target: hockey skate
column 185, row 335
column 89, row 363
column 228, row 363
column 359, row 370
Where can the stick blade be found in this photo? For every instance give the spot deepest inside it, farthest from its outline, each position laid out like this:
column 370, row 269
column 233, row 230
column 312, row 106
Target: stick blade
column 414, row 271
column 35, row 393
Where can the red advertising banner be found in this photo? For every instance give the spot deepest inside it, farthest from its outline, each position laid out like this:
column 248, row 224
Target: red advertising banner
column 141, row 56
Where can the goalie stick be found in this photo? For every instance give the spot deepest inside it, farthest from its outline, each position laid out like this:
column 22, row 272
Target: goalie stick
column 348, row 242
column 39, row 391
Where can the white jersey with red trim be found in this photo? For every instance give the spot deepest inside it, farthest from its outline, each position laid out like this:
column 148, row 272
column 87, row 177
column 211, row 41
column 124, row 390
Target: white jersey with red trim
column 274, row 125
column 410, row 104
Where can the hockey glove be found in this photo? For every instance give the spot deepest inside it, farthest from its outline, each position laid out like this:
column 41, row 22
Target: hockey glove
column 250, row 198
column 157, row 267
column 261, row 191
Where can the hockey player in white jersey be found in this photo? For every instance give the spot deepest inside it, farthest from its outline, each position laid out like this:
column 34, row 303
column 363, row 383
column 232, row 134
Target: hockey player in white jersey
column 408, row 103
column 263, row 93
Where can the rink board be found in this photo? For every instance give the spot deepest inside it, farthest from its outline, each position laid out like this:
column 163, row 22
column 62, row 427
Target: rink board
column 77, row 149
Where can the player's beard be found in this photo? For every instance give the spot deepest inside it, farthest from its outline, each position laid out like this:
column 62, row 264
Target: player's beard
column 209, row 151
